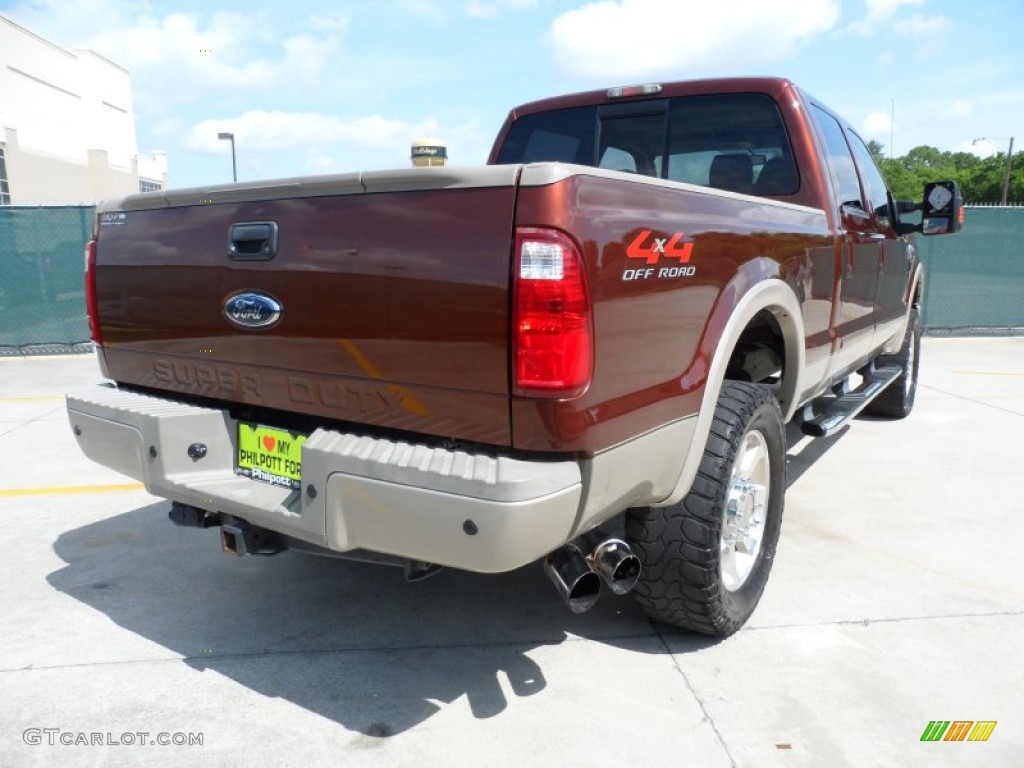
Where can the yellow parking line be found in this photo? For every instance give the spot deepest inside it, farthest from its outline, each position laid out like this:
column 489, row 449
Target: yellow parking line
column 62, row 489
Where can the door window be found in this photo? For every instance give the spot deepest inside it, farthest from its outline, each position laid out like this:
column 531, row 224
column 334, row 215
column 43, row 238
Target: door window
column 877, row 191
column 841, row 160
column 734, row 141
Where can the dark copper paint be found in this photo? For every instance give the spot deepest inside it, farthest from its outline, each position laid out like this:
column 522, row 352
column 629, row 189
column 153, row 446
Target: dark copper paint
column 653, row 338
column 396, row 304
column 401, row 293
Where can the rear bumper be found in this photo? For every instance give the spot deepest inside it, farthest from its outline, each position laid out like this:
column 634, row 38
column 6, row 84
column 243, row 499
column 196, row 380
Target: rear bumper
column 396, row 498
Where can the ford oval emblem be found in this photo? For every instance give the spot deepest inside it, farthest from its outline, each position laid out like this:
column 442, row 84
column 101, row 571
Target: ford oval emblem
column 252, row 310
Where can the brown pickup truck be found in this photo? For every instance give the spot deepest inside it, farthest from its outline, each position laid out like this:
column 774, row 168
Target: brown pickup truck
column 584, row 352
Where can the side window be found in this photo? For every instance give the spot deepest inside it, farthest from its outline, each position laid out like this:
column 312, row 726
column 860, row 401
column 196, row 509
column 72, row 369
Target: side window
column 840, row 159
column 877, row 191
column 562, row 135
column 734, row 141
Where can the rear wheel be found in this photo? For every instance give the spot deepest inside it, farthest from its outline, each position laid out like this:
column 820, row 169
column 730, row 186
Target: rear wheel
column 897, row 400
column 706, row 559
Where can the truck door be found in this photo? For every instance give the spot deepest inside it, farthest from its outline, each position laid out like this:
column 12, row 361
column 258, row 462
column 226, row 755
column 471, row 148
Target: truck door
column 896, row 255
column 859, row 250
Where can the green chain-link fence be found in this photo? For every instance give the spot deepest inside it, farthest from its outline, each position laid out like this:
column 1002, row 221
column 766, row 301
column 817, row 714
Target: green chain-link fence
column 975, row 278
column 42, row 299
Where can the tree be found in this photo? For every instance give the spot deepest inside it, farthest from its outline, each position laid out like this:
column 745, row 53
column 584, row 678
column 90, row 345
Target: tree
column 980, row 178
column 904, row 183
column 875, row 148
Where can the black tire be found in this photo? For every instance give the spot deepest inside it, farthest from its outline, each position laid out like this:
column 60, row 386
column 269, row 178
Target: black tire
column 682, row 581
column 897, row 400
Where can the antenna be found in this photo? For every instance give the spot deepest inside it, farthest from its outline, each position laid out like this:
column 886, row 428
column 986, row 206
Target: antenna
column 892, row 127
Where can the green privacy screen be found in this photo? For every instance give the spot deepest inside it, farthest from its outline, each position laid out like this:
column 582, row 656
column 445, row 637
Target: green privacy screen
column 41, row 295
column 975, row 278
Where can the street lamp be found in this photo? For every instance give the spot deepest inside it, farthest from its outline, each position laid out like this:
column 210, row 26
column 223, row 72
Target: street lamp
column 231, row 137
column 1009, row 161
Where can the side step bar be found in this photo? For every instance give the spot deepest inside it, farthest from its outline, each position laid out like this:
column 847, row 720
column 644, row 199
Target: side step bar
column 848, row 403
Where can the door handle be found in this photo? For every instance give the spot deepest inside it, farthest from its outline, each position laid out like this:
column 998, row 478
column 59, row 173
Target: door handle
column 252, row 240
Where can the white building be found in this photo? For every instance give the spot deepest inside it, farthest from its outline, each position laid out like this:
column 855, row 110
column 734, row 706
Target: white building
column 67, row 129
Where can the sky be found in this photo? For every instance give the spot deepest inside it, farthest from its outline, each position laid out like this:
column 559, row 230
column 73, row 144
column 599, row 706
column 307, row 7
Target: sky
column 330, row 86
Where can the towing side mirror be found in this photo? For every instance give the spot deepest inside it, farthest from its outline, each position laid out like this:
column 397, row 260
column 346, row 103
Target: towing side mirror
column 942, row 209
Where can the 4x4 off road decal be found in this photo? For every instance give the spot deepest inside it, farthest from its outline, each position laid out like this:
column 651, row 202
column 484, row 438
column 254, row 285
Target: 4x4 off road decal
column 653, row 249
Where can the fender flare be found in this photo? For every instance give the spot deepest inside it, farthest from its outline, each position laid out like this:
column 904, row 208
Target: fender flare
column 777, row 297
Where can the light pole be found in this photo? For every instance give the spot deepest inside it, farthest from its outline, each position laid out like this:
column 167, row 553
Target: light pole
column 231, row 137
column 1009, row 162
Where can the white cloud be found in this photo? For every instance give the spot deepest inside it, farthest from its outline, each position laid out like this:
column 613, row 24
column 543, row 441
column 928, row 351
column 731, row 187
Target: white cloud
column 327, row 144
column 168, row 128
column 978, row 148
column 176, row 57
column 882, row 10
column 930, row 31
column 879, row 13
column 628, row 39
column 877, row 125
column 480, row 10
column 217, row 54
column 426, row 10
column 307, row 56
column 961, row 109
column 319, row 162
column 987, row 147
column 260, row 130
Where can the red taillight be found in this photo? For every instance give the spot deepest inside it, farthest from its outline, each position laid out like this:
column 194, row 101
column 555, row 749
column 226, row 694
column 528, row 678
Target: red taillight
column 91, row 306
column 552, row 344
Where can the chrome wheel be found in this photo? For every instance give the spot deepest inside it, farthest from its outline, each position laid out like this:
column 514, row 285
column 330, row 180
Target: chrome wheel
column 706, row 559
column 744, row 515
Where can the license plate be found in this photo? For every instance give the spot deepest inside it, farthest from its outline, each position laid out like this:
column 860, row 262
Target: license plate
column 271, row 455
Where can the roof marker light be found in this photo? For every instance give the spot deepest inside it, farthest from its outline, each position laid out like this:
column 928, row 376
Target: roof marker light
column 624, row 91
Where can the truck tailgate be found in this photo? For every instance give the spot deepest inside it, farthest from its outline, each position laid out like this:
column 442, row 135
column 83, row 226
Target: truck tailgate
column 393, row 292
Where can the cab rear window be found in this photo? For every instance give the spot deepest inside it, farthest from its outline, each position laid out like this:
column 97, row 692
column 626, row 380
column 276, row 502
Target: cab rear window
column 736, row 142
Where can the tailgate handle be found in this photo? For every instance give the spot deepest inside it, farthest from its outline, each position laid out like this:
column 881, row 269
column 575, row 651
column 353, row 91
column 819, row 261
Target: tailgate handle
column 253, row 240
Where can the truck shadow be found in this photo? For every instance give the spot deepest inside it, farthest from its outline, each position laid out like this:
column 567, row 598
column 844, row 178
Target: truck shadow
column 351, row 642
column 804, row 452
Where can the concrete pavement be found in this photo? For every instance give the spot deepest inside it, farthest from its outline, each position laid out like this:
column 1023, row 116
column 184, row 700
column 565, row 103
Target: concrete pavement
column 897, row 598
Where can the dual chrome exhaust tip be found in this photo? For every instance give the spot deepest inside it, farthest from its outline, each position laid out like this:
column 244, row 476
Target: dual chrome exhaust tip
column 579, row 568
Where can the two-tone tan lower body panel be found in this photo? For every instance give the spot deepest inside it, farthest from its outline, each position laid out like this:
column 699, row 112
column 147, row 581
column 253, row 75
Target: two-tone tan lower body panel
column 472, row 511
